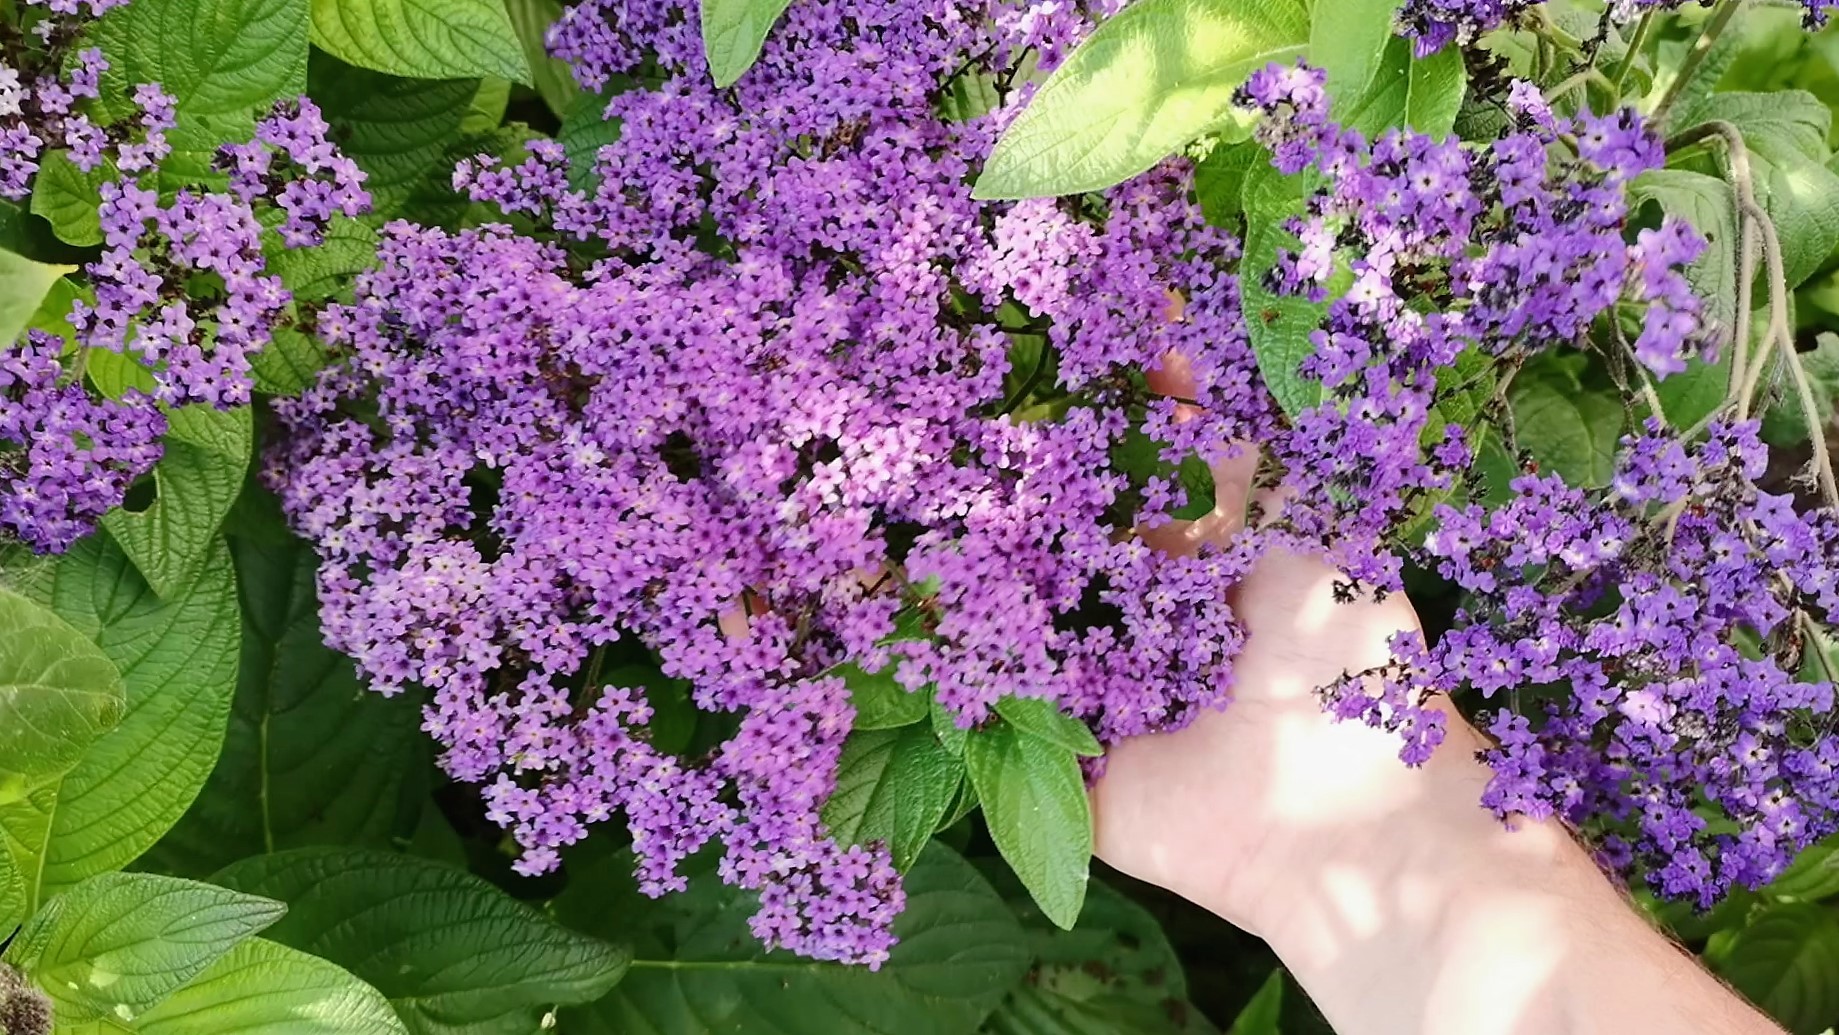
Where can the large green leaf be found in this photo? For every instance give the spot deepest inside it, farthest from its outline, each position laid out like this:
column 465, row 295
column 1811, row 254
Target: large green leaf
column 893, row 786
column 1566, row 427
column 69, row 198
column 1813, row 877
column 1279, row 325
column 58, row 693
column 215, row 57
column 1710, row 205
column 261, row 988
column 451, row 953
column 401, row 132
column 553, row 78
column 1114, row 973
column 1034, row 800
column 699, row 971
column 197, row 481
column 422, row 39
column 310, row 757
column 1786, row 424
column 733, row 31
column 177, row 657
column 23, row 285
column 1787, row 132
column 118, row 943
column 1786, row 961
column 1347, row 40
column 585, row 130
column 880, row 701
column 1041, row 718
column 1423, row 94
column 1146, row 83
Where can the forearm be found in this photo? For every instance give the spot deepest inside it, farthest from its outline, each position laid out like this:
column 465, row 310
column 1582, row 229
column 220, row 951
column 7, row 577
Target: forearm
column 1441, row 921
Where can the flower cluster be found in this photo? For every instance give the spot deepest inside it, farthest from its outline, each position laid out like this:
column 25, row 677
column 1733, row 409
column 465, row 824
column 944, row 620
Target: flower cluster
column 1489, row 253
column 65, row 458
column 1653, row 631
column 148, row 302
column 1435, row 24
column 800, row 395
column 43, row 102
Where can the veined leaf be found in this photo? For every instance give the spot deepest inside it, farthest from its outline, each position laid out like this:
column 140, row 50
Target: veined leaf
column 23, row 285
column 699, row 971
column 58, row 693
column 207, row 455
column 310, row 756
column 177, row 658
column 453, row 954
column 419, row 39
column 1145, row 83
column 1034, row 800
column 734, row 31
column 118, row 943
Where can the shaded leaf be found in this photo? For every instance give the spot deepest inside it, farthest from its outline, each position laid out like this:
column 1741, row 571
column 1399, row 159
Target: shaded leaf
column 452, row 953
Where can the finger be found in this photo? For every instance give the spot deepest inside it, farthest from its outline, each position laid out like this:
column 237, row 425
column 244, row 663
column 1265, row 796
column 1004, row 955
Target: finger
column 1232, row 475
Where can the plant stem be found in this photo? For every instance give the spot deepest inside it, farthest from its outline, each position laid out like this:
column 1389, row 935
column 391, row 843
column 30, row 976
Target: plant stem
column 1720, row 20
column 1635, row 44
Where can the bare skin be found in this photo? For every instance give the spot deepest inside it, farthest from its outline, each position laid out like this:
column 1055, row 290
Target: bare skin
column 1400, row 905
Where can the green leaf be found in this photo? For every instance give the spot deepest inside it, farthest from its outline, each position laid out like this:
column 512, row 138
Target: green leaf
column 893, row 786
column 1812, row 877
column 1219, row 180
column 585, row 130
column 177, row 657
column 553, row 78
column 207, row 454
column 401, row 132
column 486, row 113
column 1041, row 718
column 23, row 285
column 1262, row 1014
column 951, row 736
column 422, row 39
column 451, row 953
column 327, row 269
column 1280, row 326
column 310, row 756
column 118, row 943
column 1566, row 427
column 1034, row 800
column 1348, row 42
column 1420, row 93
column 1710, row 205
column 1784, row 961
column 215, row 57
column 733, row 32
column 1786, row 131
column 700, row 971
column 289, row 363
column 1149, row 81
column 1786, row 424
column 1114, row 973
column 880, row 701
column 69, row 199
column 261, row 988
column 58, row 693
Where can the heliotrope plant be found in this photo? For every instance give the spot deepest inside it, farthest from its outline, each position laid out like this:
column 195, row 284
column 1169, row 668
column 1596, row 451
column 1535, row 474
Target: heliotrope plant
column 771, row 467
